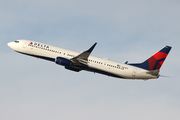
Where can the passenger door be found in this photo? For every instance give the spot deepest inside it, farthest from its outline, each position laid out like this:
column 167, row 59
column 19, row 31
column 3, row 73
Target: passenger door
column 24, row 45
column 134, row 72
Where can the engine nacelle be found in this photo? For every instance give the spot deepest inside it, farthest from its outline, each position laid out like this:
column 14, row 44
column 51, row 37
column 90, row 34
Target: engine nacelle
column 62, row 61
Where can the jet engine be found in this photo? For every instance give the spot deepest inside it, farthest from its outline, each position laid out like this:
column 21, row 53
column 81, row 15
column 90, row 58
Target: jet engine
column 67, row 63
column 63, row 61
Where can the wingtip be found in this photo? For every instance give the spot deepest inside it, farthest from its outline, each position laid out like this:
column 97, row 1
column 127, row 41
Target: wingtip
column 90, row 49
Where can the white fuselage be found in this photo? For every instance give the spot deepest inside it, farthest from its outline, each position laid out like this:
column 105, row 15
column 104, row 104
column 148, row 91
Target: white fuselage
column 95, row 64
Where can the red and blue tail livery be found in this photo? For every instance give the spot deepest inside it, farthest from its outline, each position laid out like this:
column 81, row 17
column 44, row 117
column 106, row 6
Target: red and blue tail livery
column 155, row 62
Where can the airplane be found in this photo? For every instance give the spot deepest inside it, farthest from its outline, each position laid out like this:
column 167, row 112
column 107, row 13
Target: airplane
column 75, row 61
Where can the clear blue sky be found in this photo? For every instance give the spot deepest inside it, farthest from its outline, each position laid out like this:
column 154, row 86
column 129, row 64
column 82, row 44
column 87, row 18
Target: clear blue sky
column 132, row 30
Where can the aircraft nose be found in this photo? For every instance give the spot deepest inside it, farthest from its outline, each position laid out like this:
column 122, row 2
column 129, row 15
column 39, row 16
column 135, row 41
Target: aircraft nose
column 10, row 44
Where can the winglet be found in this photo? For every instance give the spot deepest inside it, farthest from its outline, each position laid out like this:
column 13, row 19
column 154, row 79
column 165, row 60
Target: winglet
column 91, row 49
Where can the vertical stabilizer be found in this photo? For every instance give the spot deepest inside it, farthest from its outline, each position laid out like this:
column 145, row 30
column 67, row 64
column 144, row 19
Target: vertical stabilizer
column 155, row 62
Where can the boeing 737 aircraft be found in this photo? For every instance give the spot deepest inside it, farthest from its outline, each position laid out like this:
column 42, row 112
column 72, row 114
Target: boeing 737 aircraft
column 75, row 61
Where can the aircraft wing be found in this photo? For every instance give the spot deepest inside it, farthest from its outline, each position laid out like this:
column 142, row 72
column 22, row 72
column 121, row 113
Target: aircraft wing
column 82, row 58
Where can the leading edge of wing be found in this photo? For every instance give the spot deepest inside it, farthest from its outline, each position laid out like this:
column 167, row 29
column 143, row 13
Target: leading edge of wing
column 83, row 57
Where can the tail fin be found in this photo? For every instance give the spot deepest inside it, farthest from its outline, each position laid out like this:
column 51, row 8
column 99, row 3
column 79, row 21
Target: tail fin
column 155, row 62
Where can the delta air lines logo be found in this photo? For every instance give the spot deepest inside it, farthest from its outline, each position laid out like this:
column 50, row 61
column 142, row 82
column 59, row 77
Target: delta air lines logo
column 156, row 61
column 39, row 45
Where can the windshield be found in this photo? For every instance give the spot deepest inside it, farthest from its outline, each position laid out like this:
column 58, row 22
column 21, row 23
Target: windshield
column 16, row 41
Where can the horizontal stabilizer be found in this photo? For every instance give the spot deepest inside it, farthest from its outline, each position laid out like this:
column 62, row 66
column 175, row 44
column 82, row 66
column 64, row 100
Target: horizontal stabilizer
column 153, row 72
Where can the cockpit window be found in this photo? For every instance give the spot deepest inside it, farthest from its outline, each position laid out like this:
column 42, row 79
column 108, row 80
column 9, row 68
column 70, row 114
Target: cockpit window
column 16, row 41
